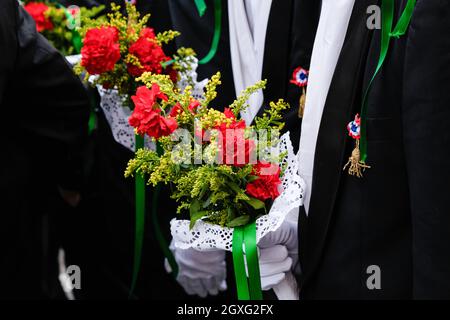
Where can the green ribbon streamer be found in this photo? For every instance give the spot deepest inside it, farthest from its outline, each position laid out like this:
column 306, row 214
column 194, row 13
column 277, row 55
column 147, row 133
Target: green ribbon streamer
column 387, row 11
column 405, row 19
column 157, row 229
column 247, row 288
column 251, row 252
column 167, row 63
column 92, row 123
column 77, row 42
column 140, row 219
column 201, row 6
column 239, row 264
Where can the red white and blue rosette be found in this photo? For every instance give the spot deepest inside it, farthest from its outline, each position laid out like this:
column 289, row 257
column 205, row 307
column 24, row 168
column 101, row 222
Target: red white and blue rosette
column 354, row 128
column 300, row 77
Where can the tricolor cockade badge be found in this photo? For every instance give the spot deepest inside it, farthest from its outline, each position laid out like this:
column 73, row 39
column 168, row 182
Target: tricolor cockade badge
column 355, row 166
column 300, row 79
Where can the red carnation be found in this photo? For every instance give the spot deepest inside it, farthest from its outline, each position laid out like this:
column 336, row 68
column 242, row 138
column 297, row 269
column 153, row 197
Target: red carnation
column 100, row 50
column 149, row 54
column 146, row 98
column 159, row 126
column 172, row 73
column 147, row 118
column 37, row 11
column 238, row 149
column 234, row 149
column 177, row 109
column 148, row 33
column 233, row 125
column 229, row 113
column 266, row 186
column 193, row 106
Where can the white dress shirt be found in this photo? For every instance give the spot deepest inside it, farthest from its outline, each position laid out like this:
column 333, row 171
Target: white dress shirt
column 248, row 21
column 330, row 36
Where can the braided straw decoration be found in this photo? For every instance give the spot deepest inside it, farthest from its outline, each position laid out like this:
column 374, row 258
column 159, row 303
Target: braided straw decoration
column 355, row 166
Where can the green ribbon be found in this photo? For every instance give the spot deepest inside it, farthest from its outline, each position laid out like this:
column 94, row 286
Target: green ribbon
column 239, row 264
column 165, row 64
column 201, row 6
column 140, row 219
column 77, row 41
column 157, row 228
column 92, row 122
column 248, row 288
column 387, row 9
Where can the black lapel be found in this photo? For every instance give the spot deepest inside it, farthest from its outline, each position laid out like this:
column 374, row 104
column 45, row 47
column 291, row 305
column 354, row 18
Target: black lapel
column 343, row 98
column 276, row 51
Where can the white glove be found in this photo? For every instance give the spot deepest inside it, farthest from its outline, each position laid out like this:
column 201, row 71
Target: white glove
column 200, row 272
column 278, row 255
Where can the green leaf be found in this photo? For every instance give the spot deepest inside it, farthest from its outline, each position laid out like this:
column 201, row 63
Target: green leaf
column 207, row 202
column 233, row 186
column 194, row 208
column 251, row 178
column 202, row 192
column 197, row 216
column 231, row 214
column 239, row 221
column 256, row 204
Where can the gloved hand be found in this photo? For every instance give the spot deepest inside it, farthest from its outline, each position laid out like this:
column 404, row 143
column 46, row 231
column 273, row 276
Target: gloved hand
column 200, row 272
column 278, row 254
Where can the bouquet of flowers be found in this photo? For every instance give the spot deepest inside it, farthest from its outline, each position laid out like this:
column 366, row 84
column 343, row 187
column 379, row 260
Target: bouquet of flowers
column 59, row 24
column 228, row 177
column 116, row 52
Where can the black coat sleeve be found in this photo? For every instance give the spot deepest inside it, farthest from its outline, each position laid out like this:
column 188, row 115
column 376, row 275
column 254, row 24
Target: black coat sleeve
column 426, row 111
column 47, row 101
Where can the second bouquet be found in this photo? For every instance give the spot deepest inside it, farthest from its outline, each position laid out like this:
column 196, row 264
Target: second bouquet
column 116, row 51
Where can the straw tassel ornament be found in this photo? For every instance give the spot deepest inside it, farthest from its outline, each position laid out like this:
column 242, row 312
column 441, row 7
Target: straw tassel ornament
column 355, row 166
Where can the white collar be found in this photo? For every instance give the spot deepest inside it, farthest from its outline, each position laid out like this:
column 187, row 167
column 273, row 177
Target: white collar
column 330, row 36
column 247, row 47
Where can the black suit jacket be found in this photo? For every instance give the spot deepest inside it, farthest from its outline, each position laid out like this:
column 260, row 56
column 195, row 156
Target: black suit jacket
column 44, row 112
column 288, row 45
column 397, row 217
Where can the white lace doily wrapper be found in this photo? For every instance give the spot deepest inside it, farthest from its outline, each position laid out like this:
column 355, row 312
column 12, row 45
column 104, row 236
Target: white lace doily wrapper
column 117, row 114
column 189, row 78
column 74, row 59
column 206, row 237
